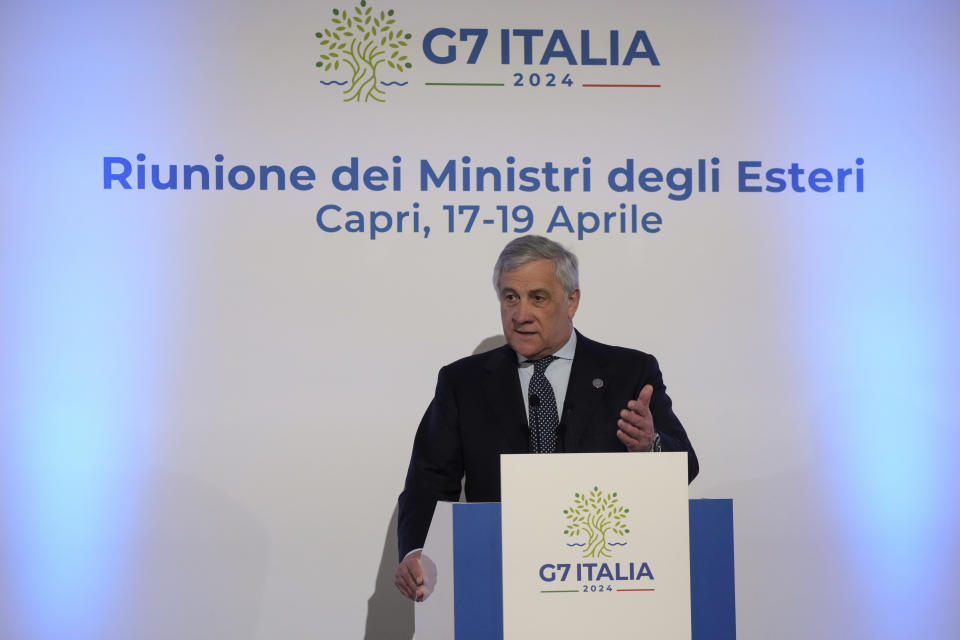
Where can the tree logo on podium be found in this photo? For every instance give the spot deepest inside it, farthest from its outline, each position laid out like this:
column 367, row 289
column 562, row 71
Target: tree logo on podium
column 363, row 41
column 596, row 516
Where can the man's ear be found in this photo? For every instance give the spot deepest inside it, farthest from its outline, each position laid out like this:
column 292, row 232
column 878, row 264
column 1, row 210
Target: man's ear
column 573, row 302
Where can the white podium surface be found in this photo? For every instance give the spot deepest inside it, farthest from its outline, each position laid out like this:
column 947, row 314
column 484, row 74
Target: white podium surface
column 595, row 545
column 433, row 618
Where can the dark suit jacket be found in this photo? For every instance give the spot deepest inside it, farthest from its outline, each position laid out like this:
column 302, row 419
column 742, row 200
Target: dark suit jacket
column 477, row 413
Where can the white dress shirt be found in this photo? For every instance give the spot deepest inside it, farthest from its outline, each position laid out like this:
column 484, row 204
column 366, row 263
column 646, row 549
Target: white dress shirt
column 557, row 373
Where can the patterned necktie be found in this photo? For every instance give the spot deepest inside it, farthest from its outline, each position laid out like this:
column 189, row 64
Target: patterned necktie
column 543, row 409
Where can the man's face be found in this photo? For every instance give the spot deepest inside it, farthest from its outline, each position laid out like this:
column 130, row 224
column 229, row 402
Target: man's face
column 537, row 317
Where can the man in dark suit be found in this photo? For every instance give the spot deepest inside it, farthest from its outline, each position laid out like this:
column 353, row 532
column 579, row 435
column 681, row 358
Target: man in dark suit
column 505, row 400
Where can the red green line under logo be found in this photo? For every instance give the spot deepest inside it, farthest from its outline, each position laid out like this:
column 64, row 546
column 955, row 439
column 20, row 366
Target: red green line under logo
column 578, row 590
column 464, row 84
column 502, row 84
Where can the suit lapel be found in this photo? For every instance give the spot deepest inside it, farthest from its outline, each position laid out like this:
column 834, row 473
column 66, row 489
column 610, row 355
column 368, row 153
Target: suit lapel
column 501, row 387
column 584, row 396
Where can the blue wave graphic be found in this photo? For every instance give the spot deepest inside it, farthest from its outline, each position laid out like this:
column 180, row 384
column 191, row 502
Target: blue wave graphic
column 617, row 544
column 399, row 84
column 576, row 544
column 333, row 82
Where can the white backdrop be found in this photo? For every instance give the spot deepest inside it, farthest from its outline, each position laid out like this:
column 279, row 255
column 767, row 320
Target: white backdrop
column 209, row 402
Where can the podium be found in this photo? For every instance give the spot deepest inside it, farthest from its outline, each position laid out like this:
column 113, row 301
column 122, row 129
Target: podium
column 463, row 569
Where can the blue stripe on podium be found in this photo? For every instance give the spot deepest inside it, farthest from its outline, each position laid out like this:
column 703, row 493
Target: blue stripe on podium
column 477, row 567
column 712, row 598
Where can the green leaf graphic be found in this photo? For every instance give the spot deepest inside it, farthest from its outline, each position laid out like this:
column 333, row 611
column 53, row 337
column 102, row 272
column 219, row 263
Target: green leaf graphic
column 353, row 39
column 595, row 515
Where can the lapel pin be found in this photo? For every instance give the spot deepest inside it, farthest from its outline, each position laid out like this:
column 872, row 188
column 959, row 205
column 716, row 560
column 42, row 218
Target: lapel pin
column 597, row 383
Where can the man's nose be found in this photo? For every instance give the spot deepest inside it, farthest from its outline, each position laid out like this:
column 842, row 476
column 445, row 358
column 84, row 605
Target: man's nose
column 522, row 313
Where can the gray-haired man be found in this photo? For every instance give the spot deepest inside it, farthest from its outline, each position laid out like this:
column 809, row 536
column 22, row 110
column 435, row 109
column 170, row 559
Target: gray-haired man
column 549, row 389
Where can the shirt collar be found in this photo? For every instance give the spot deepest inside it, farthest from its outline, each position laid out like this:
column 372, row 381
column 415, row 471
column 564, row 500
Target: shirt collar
column 565, row 352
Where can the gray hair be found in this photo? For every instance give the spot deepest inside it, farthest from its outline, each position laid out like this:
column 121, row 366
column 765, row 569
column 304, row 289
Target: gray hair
column 527, row 249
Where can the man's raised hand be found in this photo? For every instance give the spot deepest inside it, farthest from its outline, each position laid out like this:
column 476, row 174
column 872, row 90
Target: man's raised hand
column 635, row 426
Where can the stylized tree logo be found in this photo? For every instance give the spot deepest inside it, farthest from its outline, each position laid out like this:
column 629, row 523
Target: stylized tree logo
column 596, row 515
column 363, row 41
